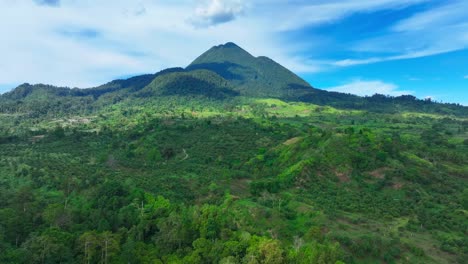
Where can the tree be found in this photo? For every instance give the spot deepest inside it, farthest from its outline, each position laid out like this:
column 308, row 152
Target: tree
column 173, row 231
column 110, row 246
column 49, row 247
column 58, row 132
column 89, row 243
column 56, row 215
column 264, row 250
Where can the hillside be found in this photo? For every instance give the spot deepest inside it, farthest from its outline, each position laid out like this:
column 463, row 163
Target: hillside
column 193, row 83
column 230, row 67
column 233, row 159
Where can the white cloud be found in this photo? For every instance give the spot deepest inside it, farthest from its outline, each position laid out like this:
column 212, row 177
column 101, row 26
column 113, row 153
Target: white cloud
column 432, row 48
column 369, row 88
column 465, row 77
column 76, row 45
column 446, row 15
column 216, row 12
column 351, row 62
column 423, row 34
column 86, row 43
column 302, row 13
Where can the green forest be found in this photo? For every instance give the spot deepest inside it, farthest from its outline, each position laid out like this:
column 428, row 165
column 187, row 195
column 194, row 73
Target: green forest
column 233, row 159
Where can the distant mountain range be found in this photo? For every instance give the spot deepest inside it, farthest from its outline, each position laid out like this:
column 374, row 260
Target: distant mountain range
column 222, row 73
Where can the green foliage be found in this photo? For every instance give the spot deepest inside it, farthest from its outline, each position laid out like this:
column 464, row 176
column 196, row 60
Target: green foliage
column 181, row 167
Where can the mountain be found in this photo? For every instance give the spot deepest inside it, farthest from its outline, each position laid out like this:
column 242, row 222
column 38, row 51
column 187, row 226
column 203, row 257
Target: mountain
column 252, row 76
column 223, row 72
column 233, row 159
column 190, row 83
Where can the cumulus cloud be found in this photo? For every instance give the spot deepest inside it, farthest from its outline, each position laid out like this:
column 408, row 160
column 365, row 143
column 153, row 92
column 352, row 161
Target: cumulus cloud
column 369, row 88
column 216, row 12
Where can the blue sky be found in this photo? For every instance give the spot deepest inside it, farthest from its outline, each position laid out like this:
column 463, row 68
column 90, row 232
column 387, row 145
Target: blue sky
column 393, row 47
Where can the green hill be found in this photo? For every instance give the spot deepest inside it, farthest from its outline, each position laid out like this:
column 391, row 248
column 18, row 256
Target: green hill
column 194, row 83
column 233, row 159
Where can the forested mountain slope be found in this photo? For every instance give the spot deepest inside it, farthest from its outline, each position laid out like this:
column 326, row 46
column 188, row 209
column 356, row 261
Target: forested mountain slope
column 211, row 164
column 259, row 77
column 232, row 67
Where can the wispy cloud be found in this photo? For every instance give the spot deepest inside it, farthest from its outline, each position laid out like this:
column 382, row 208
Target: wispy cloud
column 352, row 62
column 446, row 15
column 368, row 88
column 306, row 13
column 423, row 34
column 48, row 2
column 216, row 12
column 465, row 77
column 80, row 33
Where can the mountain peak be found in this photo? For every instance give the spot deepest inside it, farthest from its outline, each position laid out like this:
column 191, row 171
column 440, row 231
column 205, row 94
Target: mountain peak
column 253, row 76
column 229, row 45
column 229, row 52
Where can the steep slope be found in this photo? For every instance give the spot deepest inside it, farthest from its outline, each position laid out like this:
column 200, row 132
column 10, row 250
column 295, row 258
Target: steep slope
column 252, row 76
